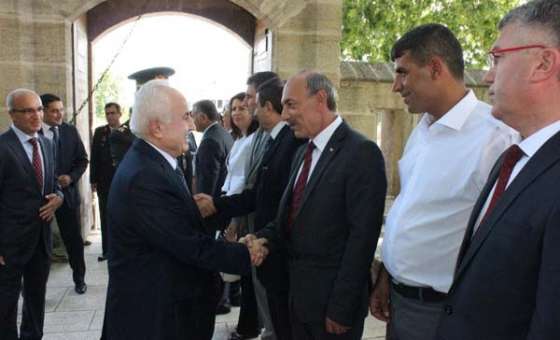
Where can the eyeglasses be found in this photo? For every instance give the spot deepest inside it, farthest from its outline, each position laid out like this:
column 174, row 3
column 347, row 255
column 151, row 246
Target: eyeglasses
column 28, row 110
column 495, row 53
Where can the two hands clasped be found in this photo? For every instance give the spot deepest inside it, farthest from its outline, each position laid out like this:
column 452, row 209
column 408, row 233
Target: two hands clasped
column 256, row 246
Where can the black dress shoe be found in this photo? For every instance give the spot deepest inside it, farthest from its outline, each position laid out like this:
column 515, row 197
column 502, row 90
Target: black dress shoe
column 223, row 309
column 80, row 288
column 101, row 258
column 237, row 336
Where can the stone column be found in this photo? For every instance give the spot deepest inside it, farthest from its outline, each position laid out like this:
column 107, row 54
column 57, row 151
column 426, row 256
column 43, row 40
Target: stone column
column 310, row 40
column 396, row 126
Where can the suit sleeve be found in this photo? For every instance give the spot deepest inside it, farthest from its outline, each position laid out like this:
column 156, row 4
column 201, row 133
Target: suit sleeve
column 208, row 163
column 236, row 205
column 79, row 160
column 163, row 221
column 366, row 186
column 545, row 323
column 94, row 157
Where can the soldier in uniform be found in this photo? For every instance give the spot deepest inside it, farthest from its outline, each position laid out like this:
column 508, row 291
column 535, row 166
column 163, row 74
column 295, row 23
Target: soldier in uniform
column 103, row 165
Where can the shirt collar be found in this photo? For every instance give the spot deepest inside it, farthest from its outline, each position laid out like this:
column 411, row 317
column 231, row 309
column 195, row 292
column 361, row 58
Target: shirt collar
column 320, row 141
column 533, row 143
column 22, row 136
column 458, row 114
column 170, row 159
column 208, row 127
column 277, row 128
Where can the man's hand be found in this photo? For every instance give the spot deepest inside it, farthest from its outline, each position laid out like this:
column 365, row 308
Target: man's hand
column 231, row 232
column 46, row 212
column 256, row 247
column 335, row 328
column 64, row 180
column 2, row 262
column 205, row 204
column 379, row 305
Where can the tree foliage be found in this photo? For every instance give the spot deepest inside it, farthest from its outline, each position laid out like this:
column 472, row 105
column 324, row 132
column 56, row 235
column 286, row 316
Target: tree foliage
column 108, row 90
column 370, row 27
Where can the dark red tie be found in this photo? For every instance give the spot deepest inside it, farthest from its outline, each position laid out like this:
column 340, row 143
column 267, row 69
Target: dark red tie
column 299, row 188
column 512, row 156
column 36, row 161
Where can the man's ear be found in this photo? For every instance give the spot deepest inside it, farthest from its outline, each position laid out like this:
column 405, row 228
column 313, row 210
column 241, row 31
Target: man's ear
column 154, row 129
column 268, row 105
column 548, row 65
column 436, row 67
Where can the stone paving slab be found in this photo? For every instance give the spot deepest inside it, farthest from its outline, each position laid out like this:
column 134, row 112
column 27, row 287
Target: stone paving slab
column 70, row 316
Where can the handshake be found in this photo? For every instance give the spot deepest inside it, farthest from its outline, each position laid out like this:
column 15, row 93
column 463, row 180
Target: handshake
column 256, row 246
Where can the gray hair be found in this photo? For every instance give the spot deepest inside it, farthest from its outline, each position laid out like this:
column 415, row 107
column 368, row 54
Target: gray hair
column 10, row 99
column 539, row 13
column 153, row 101
column 316, row 82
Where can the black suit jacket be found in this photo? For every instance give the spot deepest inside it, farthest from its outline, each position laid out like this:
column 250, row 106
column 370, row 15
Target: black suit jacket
column 160, row 258
column 264, row 198
column 21, row 228
column 507, row 280
column 334, row 236
column 71, row 160
column 103, row 163
column 210, row 162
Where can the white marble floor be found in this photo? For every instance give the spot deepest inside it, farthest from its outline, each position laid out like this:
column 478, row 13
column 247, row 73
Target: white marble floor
column 70, row 316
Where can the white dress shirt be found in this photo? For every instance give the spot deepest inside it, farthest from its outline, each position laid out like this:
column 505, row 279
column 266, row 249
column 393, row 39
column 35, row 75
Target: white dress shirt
column 529, row 146
column 47, row 132
column 320, row 141
column 442, row 171
column 236, row 163
column 24, row 140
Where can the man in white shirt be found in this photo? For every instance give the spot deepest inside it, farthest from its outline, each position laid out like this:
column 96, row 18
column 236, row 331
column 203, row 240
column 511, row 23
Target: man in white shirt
column 508, row 271
column 443, row 169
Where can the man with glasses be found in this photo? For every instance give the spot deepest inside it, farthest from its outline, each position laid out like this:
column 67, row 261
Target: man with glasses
column 28, row 201
column 445, row 164
column 71, row 163
column 508, row 271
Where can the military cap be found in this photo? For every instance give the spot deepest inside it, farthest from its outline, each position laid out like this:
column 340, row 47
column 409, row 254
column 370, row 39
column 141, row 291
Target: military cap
column 148, row 74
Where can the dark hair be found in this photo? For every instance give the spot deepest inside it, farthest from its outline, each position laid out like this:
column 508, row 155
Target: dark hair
column 235, row 131
column 240, row 96
column 208, row 108
column 259, row 78
column 271, row 91
column 426, row 41
column 543, row 13
column 48, row 98
column 117, row 106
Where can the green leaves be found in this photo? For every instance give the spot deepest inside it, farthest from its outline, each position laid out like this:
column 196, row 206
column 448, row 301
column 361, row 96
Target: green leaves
column 370, row 27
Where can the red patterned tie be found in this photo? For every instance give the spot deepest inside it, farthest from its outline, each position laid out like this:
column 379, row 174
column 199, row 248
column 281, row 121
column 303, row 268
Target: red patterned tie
column 299, row 188
column 513, row 155
column 36, row 160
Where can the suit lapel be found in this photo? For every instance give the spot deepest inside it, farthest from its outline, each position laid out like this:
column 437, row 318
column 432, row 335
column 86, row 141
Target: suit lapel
column 19, row 151
column 275, row 145
column 47, row 164
column 331, row 149
column 543, row 159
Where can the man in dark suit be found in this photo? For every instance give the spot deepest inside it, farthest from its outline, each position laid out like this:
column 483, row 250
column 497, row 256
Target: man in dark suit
column 508, row 271
column 103, row 166
column 330, row 214
column 71, row 162
column 28, row 201
column 210, row 162
column 161, row 260
column 264, row 197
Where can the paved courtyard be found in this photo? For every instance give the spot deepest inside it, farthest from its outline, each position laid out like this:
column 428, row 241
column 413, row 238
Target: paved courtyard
column 70, row 316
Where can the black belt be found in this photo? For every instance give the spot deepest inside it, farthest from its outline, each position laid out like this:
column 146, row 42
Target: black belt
column 425, row 294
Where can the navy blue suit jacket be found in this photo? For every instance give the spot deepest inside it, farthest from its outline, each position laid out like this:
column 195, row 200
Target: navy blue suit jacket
column 160, row 257
column 21, row 228
column 507, row 281
column 71, row 160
